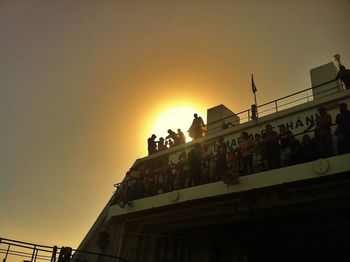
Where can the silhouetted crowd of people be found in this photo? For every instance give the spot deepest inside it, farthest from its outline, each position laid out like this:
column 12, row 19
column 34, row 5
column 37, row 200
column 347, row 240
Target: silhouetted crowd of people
column 196, row 130
column 206, row 163
column 170, row 140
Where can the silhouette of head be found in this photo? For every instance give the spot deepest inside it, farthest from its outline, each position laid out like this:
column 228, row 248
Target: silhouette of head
column 343, row 107
column 322, row 110
column 244, row 135
column 268, row 127
column 195, row 115
column 306, row 138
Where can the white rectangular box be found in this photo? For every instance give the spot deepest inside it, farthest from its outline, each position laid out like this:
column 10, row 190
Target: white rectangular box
column 323, row 74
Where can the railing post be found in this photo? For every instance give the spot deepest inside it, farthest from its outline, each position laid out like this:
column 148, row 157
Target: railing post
column 54, row 252
column 7, row 252
column 276, row 106
column 32, row 258
column 36, row 254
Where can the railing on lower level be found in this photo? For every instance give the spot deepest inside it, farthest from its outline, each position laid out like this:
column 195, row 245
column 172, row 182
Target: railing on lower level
column 10, row 249
column 167, row 178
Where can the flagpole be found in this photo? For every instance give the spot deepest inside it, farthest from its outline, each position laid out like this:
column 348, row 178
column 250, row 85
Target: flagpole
column 256, row 103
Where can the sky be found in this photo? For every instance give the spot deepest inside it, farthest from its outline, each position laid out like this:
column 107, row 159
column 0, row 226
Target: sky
column 84, row 83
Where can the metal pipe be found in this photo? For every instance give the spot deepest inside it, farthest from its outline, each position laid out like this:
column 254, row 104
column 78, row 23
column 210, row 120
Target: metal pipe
column 34, row 249
column 7, row 252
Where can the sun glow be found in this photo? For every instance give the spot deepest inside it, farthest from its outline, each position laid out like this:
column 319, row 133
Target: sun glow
column 174, row 118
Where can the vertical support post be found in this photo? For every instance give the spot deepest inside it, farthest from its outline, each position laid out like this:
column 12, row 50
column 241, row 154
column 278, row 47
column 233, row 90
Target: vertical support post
column 276, row 106
column 54, row 252
column 256, row 103
column 36, row 254
column 33, row 254
column 7, row 252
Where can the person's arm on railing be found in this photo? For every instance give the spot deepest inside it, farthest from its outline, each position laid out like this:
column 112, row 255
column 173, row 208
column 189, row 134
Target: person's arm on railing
column 309, row 127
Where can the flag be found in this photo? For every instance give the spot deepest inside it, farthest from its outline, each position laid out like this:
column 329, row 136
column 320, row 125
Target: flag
column 253, row 85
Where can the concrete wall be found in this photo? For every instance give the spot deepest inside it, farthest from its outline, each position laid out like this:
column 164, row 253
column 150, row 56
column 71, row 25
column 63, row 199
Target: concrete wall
column 322, row 74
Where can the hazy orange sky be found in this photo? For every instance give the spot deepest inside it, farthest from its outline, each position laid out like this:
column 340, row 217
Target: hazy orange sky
column 83, row 82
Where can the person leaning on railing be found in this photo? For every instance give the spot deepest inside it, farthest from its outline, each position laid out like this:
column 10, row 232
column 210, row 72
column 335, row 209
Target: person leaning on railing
column 271, row 148
column 323, row 134
column 285, row 147
column 258, row 158
column 221, row 164
column 308, row 150
column 194, row 159
column 343, row 129
column 246, row 150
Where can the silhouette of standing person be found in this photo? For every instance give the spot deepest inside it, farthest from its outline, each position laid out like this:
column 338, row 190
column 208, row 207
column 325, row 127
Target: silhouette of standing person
column 152, row 145
column 221, row 163
column 194, row 159
column 343, row 73
column 344, row 76
column 172, row 135
column 196, row 129
column 246, row 151
column 271, row 147
column 181, row 136
column 323, row 135
column 343, row 129
column 161, row 144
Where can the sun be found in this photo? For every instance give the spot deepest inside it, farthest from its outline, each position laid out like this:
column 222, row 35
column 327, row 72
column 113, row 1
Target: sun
column 174, row 118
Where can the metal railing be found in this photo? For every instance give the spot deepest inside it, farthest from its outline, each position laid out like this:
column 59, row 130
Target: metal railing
column 25, row 250
column 164, row 181
column 35, row 252
column 264, row 109
column 270, row 107
column 279, row 104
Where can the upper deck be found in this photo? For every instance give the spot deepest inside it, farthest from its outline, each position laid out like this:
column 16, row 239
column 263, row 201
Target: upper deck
column 154, row 170
column 161, row 199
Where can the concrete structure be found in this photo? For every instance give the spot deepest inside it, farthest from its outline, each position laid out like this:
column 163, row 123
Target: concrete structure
column 220, row 117
column 322, row 74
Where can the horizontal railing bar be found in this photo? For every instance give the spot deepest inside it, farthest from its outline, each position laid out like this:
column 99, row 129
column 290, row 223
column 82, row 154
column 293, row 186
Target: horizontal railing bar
column 28, row 247
column 22, row 242
column 169, row 185
column 25, row 253
column 282, row 98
